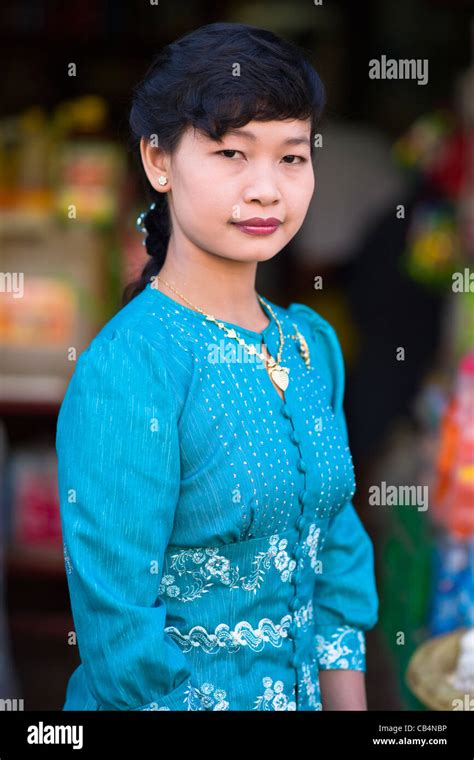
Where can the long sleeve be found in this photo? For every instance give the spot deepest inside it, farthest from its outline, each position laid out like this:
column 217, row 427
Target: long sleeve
column 345, row 601
column 119, row 480
column 346, row 598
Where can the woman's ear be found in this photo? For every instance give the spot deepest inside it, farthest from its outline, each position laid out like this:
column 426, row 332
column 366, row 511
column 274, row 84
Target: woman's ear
column 155, row 163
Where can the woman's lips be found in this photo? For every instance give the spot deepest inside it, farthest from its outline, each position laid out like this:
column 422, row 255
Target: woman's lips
column 250, row 229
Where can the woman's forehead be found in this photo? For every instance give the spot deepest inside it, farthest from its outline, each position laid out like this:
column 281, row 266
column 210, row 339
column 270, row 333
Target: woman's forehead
column 290, row 131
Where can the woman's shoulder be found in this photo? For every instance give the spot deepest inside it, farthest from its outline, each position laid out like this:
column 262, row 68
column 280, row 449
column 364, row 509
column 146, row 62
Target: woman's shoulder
column 132, row 323
column 324, row 343
column 121, row 369
column 317, row 330
column 132, row 334
column 313, row 319
column 123, row 350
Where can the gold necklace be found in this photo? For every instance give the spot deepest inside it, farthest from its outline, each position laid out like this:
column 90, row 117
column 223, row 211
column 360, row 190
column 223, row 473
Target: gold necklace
column 279, row 374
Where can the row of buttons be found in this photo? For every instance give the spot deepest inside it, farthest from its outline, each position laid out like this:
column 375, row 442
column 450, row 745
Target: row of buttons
column 301, row 523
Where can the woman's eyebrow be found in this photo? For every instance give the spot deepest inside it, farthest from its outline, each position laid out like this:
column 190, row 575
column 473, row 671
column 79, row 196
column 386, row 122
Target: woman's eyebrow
column 252, row 136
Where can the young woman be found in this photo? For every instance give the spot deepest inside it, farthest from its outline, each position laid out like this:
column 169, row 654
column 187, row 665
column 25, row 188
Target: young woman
column 214, row 557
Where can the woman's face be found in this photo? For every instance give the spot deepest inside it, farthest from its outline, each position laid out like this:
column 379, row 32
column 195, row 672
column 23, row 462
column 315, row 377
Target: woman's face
column 262, row 170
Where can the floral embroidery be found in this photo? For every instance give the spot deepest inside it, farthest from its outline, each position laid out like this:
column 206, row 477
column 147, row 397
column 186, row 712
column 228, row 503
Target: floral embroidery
column 242, row 635
column 310, row 545
column 312, row 686
column 207, row 697
column 281, row 561
column 273, row 698
column 344, row 649
column 304, row 616
column 208, row 567
column 211, row 697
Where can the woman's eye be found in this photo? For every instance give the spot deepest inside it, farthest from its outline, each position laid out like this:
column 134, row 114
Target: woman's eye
column 301, row 159
column 228, row 150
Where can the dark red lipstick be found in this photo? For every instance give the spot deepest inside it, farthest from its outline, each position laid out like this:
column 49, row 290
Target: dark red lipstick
column 258, row 226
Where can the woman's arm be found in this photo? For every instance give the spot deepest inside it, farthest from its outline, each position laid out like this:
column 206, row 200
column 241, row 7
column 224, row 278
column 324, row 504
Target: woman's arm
column 343, row 689
column 119, row 479
column 346, row 599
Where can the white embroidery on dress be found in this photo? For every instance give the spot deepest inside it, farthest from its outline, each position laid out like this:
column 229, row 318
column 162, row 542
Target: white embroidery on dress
column 211, row 697
column 304, row 615
column 211, row 566
column 273, row 698
column 345, row 649
column 311, row 686
column 206, row 697
column 310, row 545
column 243, row 634
column 215, row 568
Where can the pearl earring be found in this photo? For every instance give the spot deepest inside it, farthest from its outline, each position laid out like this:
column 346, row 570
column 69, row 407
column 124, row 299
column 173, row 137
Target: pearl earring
column 162, row 180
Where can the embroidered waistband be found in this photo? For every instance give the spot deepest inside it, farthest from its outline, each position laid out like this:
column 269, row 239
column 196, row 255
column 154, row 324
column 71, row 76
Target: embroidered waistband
column 190, row 573
column 243, row 634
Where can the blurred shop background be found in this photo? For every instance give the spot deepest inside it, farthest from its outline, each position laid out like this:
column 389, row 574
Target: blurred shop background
column 390, row 232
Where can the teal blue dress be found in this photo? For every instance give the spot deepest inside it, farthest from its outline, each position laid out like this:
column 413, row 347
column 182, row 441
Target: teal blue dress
column 214, row 557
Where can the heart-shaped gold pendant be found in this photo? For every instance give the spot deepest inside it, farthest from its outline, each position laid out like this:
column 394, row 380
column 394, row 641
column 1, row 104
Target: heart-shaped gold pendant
column 280, row 376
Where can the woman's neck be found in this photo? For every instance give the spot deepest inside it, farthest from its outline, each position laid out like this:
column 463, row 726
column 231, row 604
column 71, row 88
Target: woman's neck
column 232, row 298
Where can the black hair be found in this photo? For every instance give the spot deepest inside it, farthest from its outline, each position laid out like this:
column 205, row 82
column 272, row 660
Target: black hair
column 191, row 83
